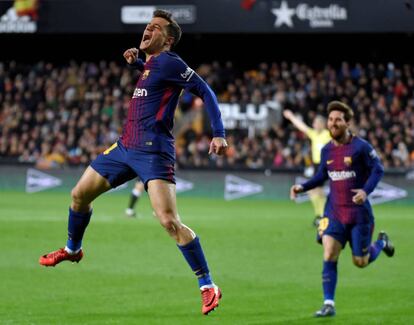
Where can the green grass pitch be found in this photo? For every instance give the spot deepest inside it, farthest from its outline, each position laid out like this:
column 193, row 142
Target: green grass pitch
column 261, row 253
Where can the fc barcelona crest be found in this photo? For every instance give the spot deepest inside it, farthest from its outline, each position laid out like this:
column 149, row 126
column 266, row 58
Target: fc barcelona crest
column 145, row 74
column 348, row 161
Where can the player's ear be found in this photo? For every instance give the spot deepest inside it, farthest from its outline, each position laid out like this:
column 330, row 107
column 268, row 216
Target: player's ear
column 169, row 41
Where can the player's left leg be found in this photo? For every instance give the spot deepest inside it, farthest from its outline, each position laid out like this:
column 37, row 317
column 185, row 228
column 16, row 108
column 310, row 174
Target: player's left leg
column 363, row 251
column 162, row 195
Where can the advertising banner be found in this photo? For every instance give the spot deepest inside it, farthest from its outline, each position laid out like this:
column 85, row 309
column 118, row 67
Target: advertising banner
column 213, row 16
column 228, row 185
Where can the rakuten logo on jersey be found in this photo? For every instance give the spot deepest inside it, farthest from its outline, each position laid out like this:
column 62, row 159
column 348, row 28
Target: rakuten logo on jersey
column 140, row 92
column 341, row 175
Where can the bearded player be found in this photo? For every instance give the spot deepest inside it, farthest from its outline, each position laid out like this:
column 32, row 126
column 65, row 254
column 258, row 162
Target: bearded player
column 354, row 170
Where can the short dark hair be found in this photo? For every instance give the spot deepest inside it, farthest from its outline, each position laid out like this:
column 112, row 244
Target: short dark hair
column 173, row 29
column 342, row 107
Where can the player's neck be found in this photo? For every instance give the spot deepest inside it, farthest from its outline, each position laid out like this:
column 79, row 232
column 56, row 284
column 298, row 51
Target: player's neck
column 148, row 56
column 345, row 139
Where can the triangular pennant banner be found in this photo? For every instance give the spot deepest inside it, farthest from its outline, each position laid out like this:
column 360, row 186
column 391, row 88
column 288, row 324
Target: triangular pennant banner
column 236, row 187
column 38, row 181
column 183, row 185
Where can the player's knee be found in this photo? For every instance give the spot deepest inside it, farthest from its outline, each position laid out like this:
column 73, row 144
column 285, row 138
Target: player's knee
column 76, row 195
column 360, row 263
column 330, row 256
column 167, row 219
column 167, row 224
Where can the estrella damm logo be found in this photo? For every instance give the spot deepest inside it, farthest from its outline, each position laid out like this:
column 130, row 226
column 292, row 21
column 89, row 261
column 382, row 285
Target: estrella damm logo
column 348, row 161
column 145, row 74
column 323, row 224
column 110, row 148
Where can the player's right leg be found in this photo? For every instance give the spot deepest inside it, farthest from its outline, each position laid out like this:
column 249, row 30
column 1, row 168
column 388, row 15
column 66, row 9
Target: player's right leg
column 333, row 239
column 90, row 186
column 107, row 170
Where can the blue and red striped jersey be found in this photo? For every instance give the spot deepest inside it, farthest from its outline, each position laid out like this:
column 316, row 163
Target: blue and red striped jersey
column 354, row 165
column 150, row 117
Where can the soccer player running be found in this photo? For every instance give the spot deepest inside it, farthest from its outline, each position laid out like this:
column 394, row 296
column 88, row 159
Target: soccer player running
column 146, row 149
column 319, row 136
column 133, row 198
column 354, row 170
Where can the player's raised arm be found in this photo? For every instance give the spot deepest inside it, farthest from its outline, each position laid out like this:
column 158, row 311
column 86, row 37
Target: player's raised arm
column 297, row 122
column 131, row 56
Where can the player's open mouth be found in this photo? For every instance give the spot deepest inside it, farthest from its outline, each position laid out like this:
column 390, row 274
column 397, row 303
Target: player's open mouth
column 146, row 39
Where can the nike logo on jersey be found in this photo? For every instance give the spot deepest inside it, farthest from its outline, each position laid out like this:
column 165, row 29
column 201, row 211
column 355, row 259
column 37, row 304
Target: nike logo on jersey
column 328, row 162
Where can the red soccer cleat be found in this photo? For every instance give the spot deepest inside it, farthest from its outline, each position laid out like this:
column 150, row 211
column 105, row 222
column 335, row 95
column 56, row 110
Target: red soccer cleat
column 210, row 298
column 58, row 256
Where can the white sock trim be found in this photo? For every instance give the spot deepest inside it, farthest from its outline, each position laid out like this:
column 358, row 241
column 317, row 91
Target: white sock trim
column 208, row 286
column 136, row 193
column 329, row 302
column 71, row 252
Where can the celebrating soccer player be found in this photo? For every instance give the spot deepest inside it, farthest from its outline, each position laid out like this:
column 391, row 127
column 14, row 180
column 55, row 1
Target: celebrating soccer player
column 354, row 170
column 146, row 149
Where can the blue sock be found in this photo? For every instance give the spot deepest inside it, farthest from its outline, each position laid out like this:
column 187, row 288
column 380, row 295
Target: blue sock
column 77, row 224
column 329, row 277
column 374, row 250
column 193, row 253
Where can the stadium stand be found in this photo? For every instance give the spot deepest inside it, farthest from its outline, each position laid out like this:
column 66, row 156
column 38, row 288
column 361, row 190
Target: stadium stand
column 65, row 114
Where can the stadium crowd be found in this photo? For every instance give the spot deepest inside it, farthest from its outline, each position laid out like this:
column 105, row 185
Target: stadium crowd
column 66, row 115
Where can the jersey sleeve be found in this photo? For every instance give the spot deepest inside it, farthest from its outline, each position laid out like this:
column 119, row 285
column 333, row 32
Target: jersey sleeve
column 321, row 175
column 373, row 164
column 177, row 72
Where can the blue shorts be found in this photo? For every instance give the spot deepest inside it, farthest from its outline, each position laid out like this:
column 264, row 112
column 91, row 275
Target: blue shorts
column 119, row 165
column 358, row 235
